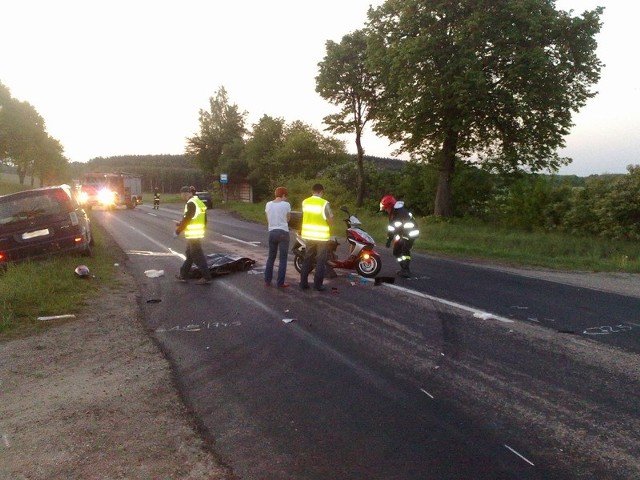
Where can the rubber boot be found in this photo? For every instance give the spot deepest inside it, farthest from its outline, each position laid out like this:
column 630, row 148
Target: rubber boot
column 404, row 269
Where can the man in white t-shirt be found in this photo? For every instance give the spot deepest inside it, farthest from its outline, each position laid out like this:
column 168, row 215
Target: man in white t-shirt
column 278, row 213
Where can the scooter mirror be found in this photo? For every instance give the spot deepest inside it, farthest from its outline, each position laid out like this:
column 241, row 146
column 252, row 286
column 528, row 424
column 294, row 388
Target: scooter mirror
column 344, row 209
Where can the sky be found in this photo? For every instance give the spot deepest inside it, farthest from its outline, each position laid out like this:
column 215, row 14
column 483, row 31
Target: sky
column 128, row 77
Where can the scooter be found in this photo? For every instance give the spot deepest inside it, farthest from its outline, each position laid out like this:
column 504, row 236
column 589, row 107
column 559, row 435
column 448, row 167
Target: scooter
column 362, row 257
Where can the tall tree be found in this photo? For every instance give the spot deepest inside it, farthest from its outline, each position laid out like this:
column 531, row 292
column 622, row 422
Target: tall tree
column 24, row 134
column 306, row 152
column 497, row 80
column 276, row 150
column 50, row 165
column 266, row 138
column 5, row 99
column 222, row 128
column 344, row 80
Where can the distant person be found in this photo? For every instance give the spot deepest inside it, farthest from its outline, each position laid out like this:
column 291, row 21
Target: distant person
column 402, row 231
column 156, row 199
column 194, row 224
column 317, row 219
column 278, row 213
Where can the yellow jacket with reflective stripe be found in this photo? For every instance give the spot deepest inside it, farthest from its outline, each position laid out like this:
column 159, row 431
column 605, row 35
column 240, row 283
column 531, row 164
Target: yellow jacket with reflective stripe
column 197, row 225
column 314, row 220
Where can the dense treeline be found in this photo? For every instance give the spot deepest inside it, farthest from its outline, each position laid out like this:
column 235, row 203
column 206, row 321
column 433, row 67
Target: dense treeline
column 607, row 205
column 167, row 173
column 603, row 205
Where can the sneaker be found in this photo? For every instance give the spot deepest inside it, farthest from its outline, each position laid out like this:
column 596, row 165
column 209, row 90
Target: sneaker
column 304, row 286
column 267, row 284
column 202, row 281
column 181, row 279
column 284, row 285
column 321, row 288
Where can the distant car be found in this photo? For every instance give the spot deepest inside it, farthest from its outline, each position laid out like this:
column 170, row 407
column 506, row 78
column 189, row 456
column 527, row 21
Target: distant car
column 206, row 198
column 42, row 222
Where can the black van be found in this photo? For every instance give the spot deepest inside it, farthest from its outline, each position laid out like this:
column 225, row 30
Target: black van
column 42, row 222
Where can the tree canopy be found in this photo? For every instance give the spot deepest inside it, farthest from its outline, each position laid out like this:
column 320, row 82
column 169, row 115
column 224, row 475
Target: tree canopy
column 344, row 80
column 276, row 150
column 222, row 130
column 492, row 80
column 25, row 143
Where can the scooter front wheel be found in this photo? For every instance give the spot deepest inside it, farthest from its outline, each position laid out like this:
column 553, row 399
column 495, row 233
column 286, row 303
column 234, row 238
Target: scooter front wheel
column 297, row 263
column 369, row 267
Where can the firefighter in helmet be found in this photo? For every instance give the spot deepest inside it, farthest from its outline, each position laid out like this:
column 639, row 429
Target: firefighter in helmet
column 402, row 231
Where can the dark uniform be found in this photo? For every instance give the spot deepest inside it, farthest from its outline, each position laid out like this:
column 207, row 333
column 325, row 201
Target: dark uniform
column 402, row 231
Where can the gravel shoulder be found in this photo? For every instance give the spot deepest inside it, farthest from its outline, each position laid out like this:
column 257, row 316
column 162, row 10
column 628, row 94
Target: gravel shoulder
column 94, row 398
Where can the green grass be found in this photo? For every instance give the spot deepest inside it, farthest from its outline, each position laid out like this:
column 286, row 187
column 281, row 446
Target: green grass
column 50, row 287
column 480, row 242
column 164, row 198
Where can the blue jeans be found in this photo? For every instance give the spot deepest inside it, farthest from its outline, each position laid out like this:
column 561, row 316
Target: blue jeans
column 278, row 242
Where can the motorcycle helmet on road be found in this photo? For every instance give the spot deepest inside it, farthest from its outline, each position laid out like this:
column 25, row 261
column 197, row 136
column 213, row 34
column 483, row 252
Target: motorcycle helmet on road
column 387, row 203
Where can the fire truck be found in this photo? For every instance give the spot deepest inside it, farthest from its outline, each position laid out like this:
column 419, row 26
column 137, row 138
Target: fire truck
column 110, row 190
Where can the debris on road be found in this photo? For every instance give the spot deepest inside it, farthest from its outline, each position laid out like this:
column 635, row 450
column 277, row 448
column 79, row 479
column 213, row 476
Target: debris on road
column 57, row 317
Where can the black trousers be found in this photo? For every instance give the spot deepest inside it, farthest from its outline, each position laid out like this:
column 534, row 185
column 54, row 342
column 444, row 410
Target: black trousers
column 195, row 254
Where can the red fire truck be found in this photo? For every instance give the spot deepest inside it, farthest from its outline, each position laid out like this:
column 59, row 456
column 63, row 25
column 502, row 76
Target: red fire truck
column 110, row 190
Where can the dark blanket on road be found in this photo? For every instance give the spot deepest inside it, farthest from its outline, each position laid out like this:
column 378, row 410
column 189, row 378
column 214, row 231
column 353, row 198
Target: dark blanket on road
column 221, row 264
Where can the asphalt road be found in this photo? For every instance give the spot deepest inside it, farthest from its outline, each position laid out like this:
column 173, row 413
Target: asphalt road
column 461, row 372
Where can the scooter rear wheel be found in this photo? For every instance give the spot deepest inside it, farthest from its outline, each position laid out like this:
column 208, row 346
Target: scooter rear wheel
column 370, row 267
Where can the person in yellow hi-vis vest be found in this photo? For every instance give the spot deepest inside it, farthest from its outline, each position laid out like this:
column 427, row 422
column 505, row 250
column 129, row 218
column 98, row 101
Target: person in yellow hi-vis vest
column 193, row 224
column 317, row 219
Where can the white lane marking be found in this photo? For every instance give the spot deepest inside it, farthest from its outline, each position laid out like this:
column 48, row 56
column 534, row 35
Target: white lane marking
column 253, row 244
column 477, row 313
column 634, row 324
column 177, row 254
column 426, row 393
column 5, row 440
column 148, row 253
column 151, row 239
column 522, row 457
column 151, row 214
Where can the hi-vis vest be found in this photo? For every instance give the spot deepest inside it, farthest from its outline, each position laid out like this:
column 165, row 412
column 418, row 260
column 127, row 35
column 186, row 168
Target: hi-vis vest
column 198, row 223
column 314, row 221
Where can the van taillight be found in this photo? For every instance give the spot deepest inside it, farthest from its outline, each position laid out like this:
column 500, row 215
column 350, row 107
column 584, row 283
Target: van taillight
column 78, row 239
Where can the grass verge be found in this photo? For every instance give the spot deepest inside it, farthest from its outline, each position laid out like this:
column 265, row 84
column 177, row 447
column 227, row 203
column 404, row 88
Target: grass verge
column 50, row 287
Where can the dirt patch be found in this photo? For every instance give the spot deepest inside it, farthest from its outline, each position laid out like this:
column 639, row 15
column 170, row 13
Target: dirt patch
column 94, row 399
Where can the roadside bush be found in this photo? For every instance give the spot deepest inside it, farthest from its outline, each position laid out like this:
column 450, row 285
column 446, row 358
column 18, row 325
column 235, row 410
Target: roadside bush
column 608, row 206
